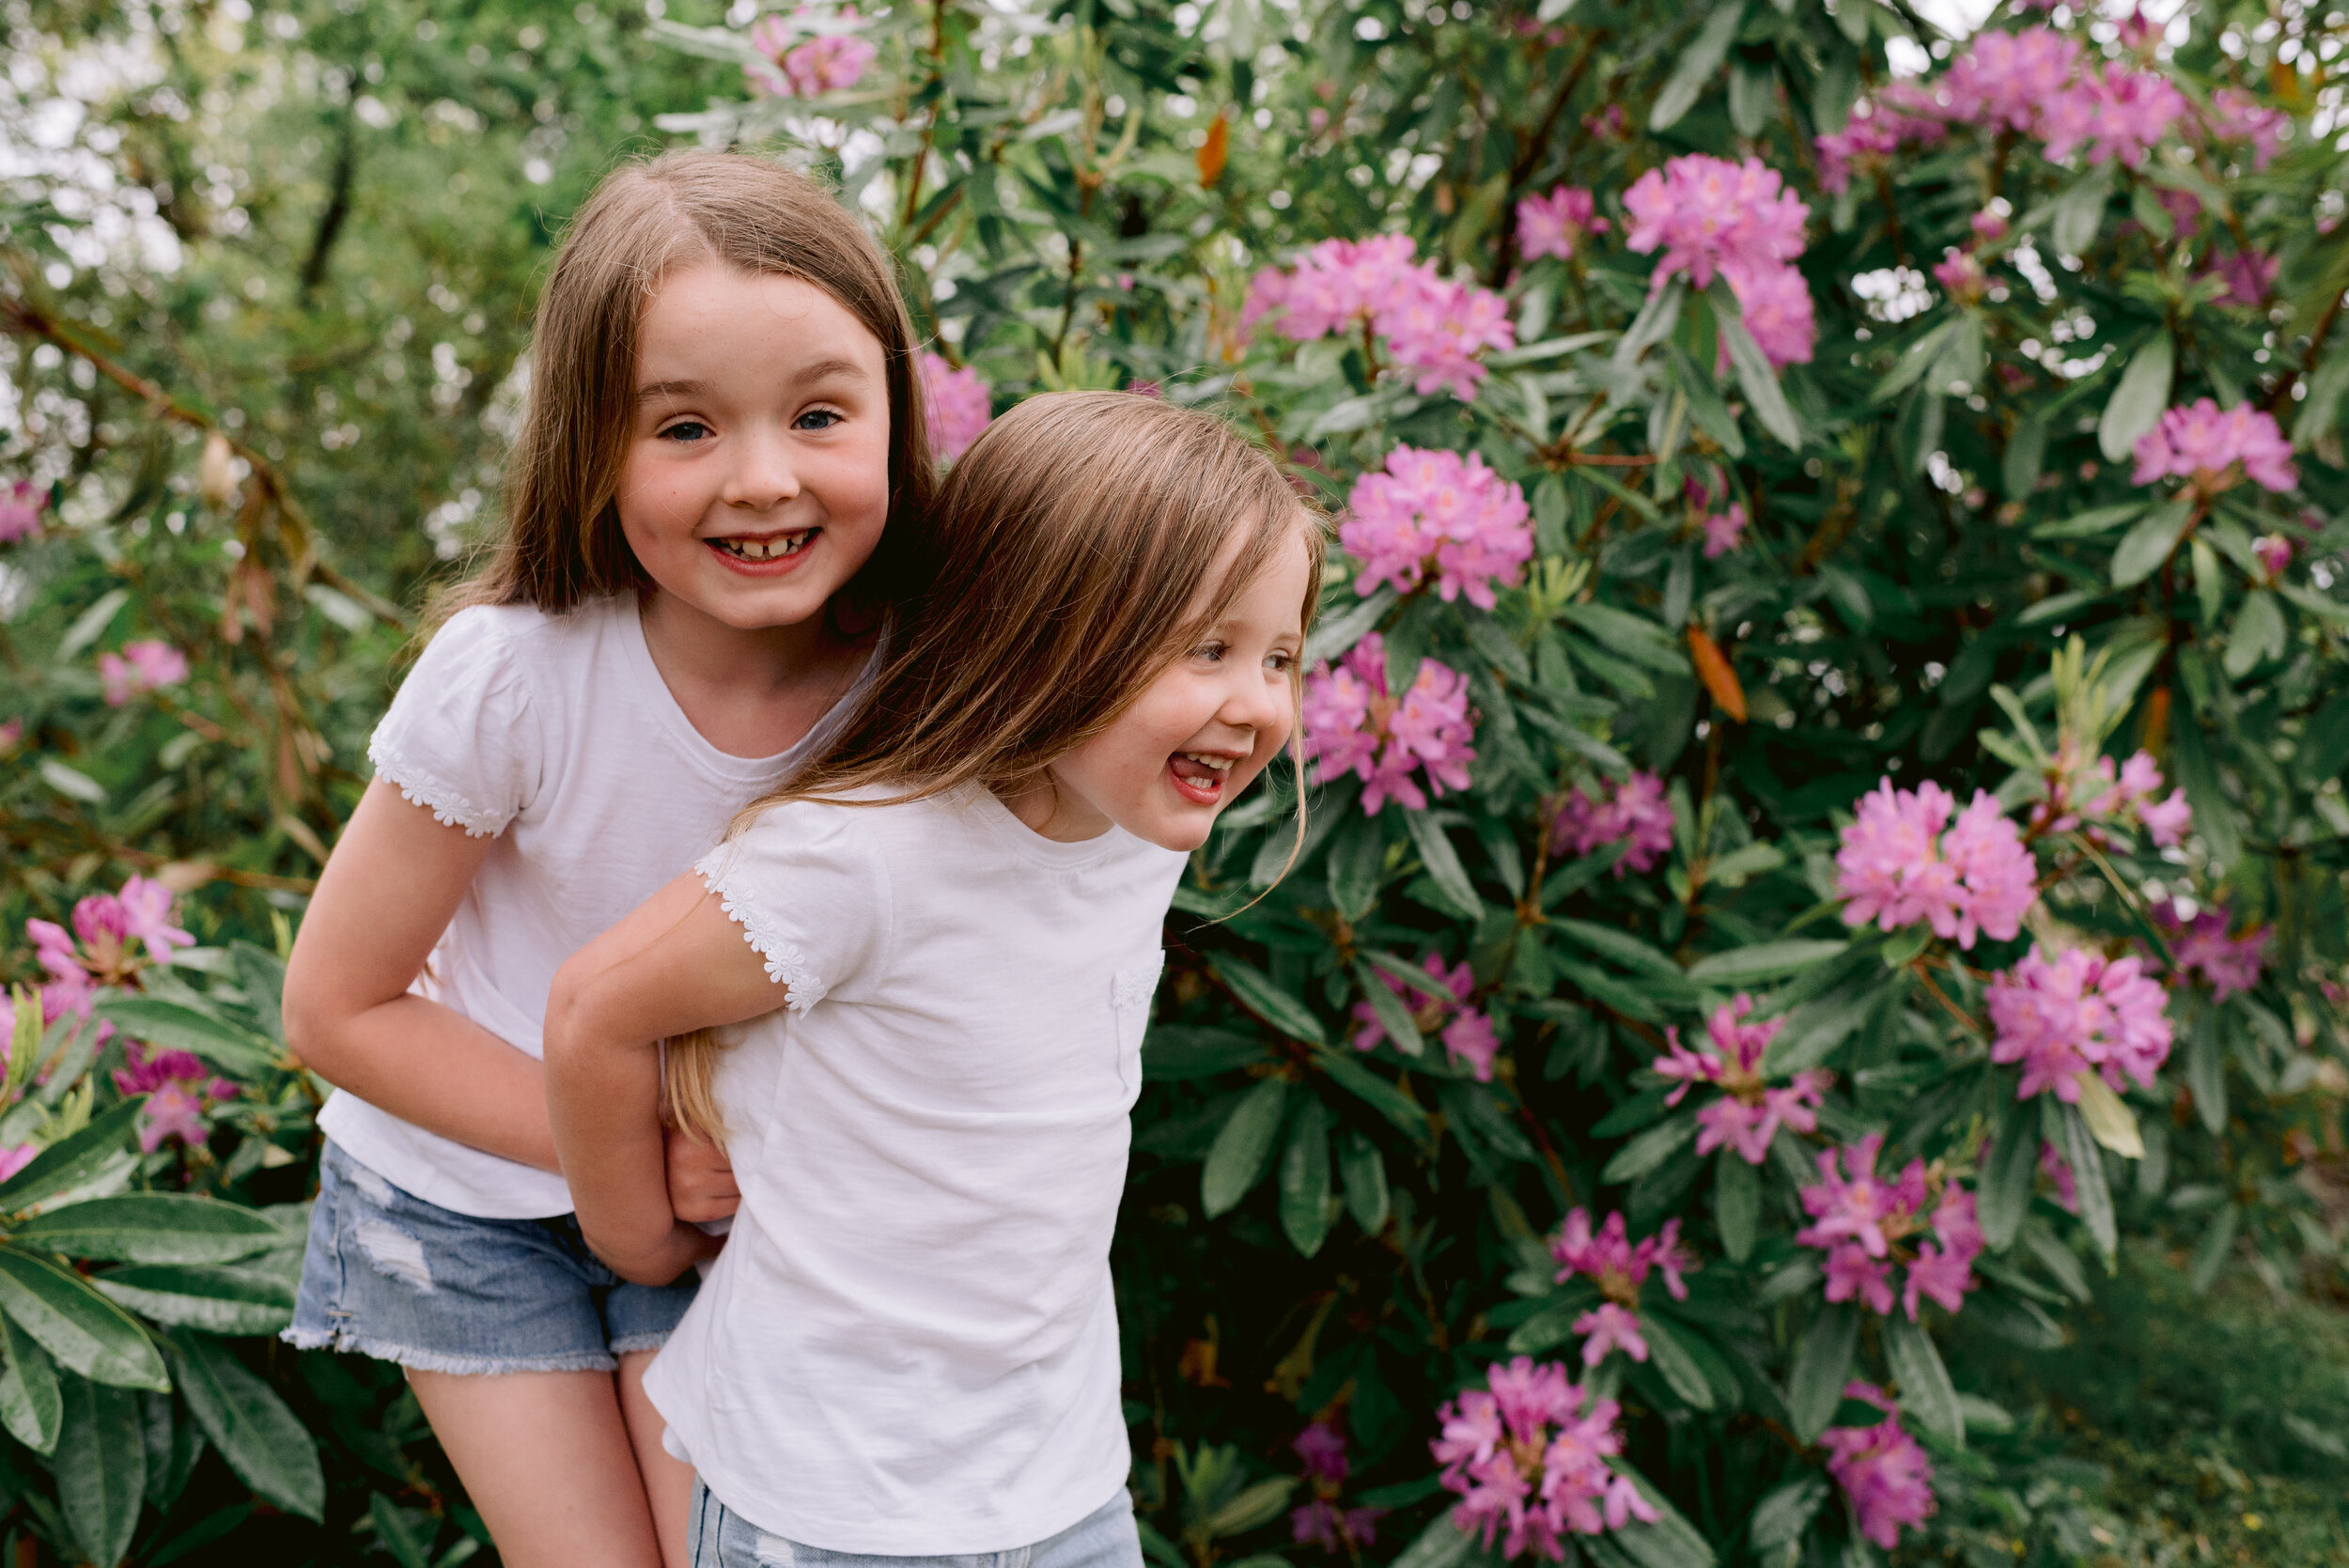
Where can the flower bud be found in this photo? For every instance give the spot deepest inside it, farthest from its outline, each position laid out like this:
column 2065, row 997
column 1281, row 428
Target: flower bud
column 214, row 475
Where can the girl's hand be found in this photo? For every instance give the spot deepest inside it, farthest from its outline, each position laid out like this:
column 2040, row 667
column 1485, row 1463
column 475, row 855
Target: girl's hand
column 701, row 1182
column 662, row 1262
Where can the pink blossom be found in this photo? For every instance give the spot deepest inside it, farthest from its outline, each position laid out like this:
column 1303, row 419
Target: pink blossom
column 2058, row 1170
column 13, row 1160
column 2076, row 1012
column 2122, row 111
column 2248, row 274
column 1469, row 1037
column 180, row 1090
column 1961, row 272
column 1608, row 1257
column 1438, row 514
column 1438, row 329
column 2274, row 551
column 1551, row 224
column 1705, row 211
column 1776, row 304
column 1881, row 1470
column 146, row 912
column 1431, row 326
column 1989, row 225
column 1896, row 866
column 828, row 62
column 1322, row 1523
column 1529, row 1462
column 1866, row 144
column 2005, row 80
column 2214, row 450
column 140, row 667
column 2236, row 115
column 957, row 403
column 2204, row 951
column 1748, row 1113
column 1322, row 1447
column 1610, row 1327
column 2132, row 798
column 1636, row 810
column 21, row 505
column 11, row 733
column 1869, row 1226
column 1725, row 531
column 1354, row 725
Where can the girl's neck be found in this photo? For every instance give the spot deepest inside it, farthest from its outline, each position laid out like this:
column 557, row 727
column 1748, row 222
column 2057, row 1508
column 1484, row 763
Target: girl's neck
column 751, row 692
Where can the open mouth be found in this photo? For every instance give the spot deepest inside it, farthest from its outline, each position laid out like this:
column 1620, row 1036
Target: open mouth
column 762, row 550
column 1199, row 777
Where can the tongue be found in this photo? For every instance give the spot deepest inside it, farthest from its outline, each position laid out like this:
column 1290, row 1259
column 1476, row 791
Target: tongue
column 1195, row 772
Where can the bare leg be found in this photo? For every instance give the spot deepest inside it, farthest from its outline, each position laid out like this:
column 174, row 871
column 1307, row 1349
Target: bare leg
column 668, row 1483
column 546, row 1457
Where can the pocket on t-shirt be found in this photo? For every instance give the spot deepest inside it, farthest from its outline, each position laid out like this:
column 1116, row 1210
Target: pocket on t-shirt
column 1130, row 990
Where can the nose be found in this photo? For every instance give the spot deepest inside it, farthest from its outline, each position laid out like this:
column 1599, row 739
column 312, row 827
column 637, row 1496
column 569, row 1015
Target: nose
column 762, row 476
column 1255, row 700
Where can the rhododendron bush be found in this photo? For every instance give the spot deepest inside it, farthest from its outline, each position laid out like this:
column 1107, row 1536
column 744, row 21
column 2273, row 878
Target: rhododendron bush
column 1822, row 751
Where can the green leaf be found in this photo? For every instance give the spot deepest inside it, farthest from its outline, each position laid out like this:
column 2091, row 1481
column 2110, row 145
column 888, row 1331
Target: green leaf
column 1822, row 1367
column 238, row 1052
column 1748, row 966
column 1179, row 1051
column 1256, row 992
column 1650, row 1149
column 1622, row 947
column 1635, row 637
column 1305, row 1207
column 1443, row 865
column 1914, row 362
column 263, row 1442
column 2211, row 1253
column 2088, row 1180
column 29, row 1400
column 1375, row 1092
column 1333, row 635
column 394, row 1534
column 2145, row 547
column 1237, row 1159
column 2110, row 1119
column 1356, row 864
column 1670, row 1542
column 1558, row 885
column 2096, row 520
column 1441, row 1544
column 2077, row 211
column 1673, row 1361
column 1259, row 1505
column 1756, row 378
column 2213, row 812
column 84, row 1331
column 2004, row 1196
column 151, row 1227
column 1926, row 1391
column 218, row 1298
column 2258, row 634
column 71, row 1161
column 2025, row 455
column 101, row 1469
column 1779, row 1519
column 1389, row 1010
column 1696, row 65
column 2137, row 402
column 1362, row 1171
column 1737, row 1204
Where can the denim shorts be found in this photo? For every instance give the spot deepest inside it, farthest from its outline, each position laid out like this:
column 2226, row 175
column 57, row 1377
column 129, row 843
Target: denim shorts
column 719, row 1537
column 391, row 1276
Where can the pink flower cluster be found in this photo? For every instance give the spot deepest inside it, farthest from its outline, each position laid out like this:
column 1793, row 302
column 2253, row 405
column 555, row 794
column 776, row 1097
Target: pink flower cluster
column 2214, row 449
column 2248, row 274
column 2115, row 112
column 2131, row 798
column 21, row 505
column 1881, row 1470
column 1710, row 216
column 1897, row 866
column 2204, row 951
column 1864, row 1224
column 1869, row 139
column 1748, row 1113
column 1321, row 1522
column 2236, row 115
column 1432, row 327
column 956, row 404
column 1725, row 531
column 1438, row 513
column 1469, row 1037
column 181, row 1089
column 106, row 924
column 1608, row 1258
column 1552, row 224
column 2076, row 1012
column 1353, row 724
column 140, row 667
column 828, row 62
column 1635, row 809
column 1529, row 1461
column 1961, row 272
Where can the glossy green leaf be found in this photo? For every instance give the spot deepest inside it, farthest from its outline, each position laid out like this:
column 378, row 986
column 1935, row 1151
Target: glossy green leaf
column 2145, row 547
column 1390, row 1010
column 1306, row 1206
column 1675, row 1361
column 1822, row 1367
column 1751, row 965
column 1443, row 865
column 1737, row 1204
column 174, row 1026
column 101, row 1468
column 1926, row 1393
column 1255, row 990
column 2088, row 1180
column 1236, row 1161
column 2138, row 399
column 1781, row 1517
column 2003, row 1196
column 72, row 1161
column 84, row 1331
column 1697, row 65
column 151, row 1227
column 262, row 1438
column 1375, row 1092
column 219, row 1298
column 30, row 1406
column 1651, row 1148
column 1362, row 1172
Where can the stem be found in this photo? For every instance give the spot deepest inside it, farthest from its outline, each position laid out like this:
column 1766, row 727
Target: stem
column 1530, row 154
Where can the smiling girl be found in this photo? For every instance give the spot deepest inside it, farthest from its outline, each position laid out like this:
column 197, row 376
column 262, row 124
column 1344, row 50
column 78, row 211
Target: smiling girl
column 722, row 451
column 942, row 937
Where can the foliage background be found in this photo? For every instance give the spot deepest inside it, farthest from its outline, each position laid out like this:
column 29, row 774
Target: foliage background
column 313, row 232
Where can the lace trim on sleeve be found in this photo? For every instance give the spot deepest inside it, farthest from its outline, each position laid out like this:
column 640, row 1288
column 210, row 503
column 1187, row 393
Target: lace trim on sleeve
column 785, row 964
column 422, row 787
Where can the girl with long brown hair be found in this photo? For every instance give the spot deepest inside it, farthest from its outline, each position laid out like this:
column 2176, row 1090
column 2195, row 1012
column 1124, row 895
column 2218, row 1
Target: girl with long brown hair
column 709, row 513
column 932, row 955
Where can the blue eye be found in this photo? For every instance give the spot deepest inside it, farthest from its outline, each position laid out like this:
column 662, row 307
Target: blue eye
column 1212, row 652
column 830, row 417
column 686, row 431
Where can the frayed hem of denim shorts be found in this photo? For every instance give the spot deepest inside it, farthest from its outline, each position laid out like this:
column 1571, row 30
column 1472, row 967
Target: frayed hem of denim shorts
column 630, row 1343
column 435, row 1361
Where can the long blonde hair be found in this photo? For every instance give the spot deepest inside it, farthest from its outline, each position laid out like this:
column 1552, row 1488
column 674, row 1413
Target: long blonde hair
column 562, row 544
column 1070, row 543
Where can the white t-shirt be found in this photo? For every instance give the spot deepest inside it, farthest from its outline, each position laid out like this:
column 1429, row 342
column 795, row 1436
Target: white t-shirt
column 557, row 735
column 909, row 1347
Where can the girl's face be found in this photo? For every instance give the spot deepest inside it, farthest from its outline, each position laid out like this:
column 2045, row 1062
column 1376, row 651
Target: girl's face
column 756, row 481
column 1199, row 734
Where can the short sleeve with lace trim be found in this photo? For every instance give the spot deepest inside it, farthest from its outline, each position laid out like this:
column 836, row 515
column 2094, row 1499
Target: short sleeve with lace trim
column 461, row 738
column 810, row 891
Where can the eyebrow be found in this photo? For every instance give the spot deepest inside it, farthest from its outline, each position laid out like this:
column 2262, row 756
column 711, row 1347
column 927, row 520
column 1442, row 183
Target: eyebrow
column 821, row 370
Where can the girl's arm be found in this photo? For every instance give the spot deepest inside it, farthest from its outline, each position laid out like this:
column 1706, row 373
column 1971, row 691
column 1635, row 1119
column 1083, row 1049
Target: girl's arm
column 390, row 890
column 674, row 965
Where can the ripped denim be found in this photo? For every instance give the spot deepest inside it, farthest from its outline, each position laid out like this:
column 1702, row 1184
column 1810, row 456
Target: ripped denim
column 388, row 1275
